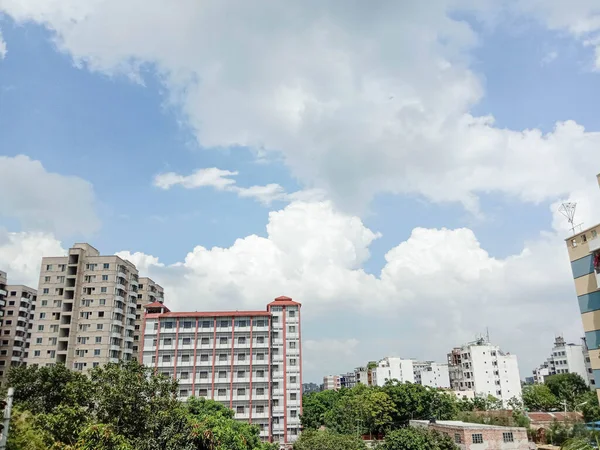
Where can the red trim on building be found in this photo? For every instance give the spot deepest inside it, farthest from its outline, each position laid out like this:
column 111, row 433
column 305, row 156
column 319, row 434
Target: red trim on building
column 300, row 351
column 194, row 364
column 214, row 358
column 157, row 345
column 284, row 377
column 143, row 335
column 269, row 372
column 157, row 305
column 211, row 314
column 176, row 347
column 232, row 353
column 251, row 374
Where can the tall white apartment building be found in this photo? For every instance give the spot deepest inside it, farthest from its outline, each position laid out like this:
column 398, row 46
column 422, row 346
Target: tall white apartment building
column 148, row 292
column 250, row 361
column 86, row 309
column 393, row 368
column 565, row 358
column 432, row 374
column 18, row 306
column 486, row 370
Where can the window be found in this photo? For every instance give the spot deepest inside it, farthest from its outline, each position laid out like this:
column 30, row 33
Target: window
column 203, row 393
column 106, row 266
column 260, row 409
column 96, row 351
column 46, row 291
column 166, row 358
column 239, row 410
column 221, row 392
column 40, row 327
column 184, row 375
column 99, row 326
column 204, row 357
column 260, row 373
column 293, row 413
column 242, row 357
column 222, row 357
column 477, row 438
column 187, row 341
column 100, row 313
column 223, row 340
column 260, row 340
column 48, row 266
column 292, row 329
column 187, row 324
column 292, row 313
column 185, row 358
column 293, row 396
column 260, row 323
column 242, row 340
column 222, row 374
column 36, row 353
column 260, row 356
column 224, row 323
column 457, row 438
column 46, row 279
column 241, row 391
column 104, row 277
column 206, row 324
column 44, row 302
column 103, row 290
column 203, row 375
column 204, row 341
column 507, row 437
column 260, row 391
column 167, row 341
column 98, row 339
column 42, row 315
column 102, row 302
column 168, row 325
column 241, row 374
column 292, row 379
column 292, row 345
column 292, row 361
column 38, row 340
column 183, row 393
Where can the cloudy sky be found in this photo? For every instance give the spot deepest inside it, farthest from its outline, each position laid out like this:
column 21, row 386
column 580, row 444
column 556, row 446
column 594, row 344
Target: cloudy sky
column 395, row 166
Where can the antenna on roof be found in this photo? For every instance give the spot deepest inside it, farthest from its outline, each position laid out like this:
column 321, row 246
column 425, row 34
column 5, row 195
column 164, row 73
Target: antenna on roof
column 568, row 211
column 487, row 334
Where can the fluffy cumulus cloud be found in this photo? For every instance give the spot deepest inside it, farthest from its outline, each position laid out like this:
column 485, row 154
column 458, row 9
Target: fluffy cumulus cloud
column 436, row 289
column 3, row 49
column 21, row 255
column 46, row 201
column 357, row 99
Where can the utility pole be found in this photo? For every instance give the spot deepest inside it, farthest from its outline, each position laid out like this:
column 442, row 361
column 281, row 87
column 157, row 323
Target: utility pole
column 6, row 423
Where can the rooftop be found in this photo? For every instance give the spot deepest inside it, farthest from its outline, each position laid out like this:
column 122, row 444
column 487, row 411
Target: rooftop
column 461, row 424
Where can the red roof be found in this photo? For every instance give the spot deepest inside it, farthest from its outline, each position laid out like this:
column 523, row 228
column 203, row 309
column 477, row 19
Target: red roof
column 284, row 301
column 211, row 314
column 157, row 305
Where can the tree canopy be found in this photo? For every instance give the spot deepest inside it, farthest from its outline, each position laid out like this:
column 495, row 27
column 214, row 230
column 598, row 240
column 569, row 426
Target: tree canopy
column 122, row 406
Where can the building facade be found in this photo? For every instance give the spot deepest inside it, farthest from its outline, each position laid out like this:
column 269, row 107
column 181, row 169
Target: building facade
column 250, row 361
column 584, row 254
column 432, row 374
column 18, row 307
column 565, row 358
column 148, row 292
column 475, row 436
column 86, row 310
column 486, row 370
column 393, row 368
column 331, row 383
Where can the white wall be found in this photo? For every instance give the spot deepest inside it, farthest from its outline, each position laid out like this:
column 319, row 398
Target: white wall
column 494, row 373
column 436, row 376
column 393, row 368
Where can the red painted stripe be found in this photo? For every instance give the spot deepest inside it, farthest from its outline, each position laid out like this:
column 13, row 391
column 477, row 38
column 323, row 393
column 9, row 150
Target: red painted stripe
column 300, row 347
column 157, row 345
column 251, row 375
column 269, row 381
column 232, row 354
column 141, row 347
column 210, row 314
column 176, row 346
column 214, row 357
column 284, row 378
column 194, row 363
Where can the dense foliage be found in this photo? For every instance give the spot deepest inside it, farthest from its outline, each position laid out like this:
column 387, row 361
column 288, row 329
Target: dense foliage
column 328, row 440
column 118, row 407
column 410, row 438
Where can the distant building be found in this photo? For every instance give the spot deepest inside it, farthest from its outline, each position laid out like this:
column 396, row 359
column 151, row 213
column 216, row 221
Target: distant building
column 361, row 375
column 309, row 388
column 432, row 374
column 565, row 358
column 331, row 383
column 475, row 436
column 348, row 380
column 17, row 303
column 393, row 368
column 486, row 370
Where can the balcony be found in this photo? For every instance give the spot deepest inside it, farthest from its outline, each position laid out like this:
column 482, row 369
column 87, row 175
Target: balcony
column 22, row 329
column 2, row 302
column 115, row 347
column 3, row 292
column 23, row 309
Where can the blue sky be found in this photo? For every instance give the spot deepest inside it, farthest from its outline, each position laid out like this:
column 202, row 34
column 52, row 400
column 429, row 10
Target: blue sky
column 289, row 107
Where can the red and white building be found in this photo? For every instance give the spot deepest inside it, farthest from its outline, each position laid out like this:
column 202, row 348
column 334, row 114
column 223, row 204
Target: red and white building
column 250, row 361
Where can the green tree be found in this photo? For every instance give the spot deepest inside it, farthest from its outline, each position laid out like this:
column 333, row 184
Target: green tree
column 412, row 438
column 24, row 435
column 414, row 401
column 567, row 387
column 539, row 397
column 328, row 440
column 589, row 406
column 316, row 404
column 101, row 437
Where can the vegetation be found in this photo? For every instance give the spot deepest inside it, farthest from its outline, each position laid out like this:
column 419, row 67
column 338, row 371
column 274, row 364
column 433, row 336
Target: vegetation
column 410, row 438
column 328, row 440
column 118, row 407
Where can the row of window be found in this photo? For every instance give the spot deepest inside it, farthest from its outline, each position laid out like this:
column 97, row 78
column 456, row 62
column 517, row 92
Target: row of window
column 222, row 357
column 242, row 340
column 241, row 323
column 62, row 267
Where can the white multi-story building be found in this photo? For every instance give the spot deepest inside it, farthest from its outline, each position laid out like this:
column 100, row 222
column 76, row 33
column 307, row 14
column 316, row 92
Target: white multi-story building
column 565, row 358
column 331, row 383
column 393, row 368
column 486, row 370
column 432, row 374
column 250, row 361
column 148, row 292
column 86, row 308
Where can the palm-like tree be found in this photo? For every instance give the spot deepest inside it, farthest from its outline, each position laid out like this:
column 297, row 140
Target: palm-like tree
column 591, row 442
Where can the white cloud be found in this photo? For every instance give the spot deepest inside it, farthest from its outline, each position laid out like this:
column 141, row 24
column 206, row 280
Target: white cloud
column 46, row 201
column 21, row 255
column 356, row 100
column 3, row 49
column 549, row 57
column 437, row 289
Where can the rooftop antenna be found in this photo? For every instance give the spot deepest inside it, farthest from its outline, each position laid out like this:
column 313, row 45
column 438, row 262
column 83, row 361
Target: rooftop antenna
column 568, row 210
column 487, row 334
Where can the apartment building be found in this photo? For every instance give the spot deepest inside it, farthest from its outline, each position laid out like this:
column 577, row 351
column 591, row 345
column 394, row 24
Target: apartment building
column 392, row 368
column 250, row 361
column 348, row 380
column 486, row 370
column 86, row 309
column 18, row 306
column 565, row 358
column 584, row 253
column 432, row 374
column 148, row 292
column 331, row 383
